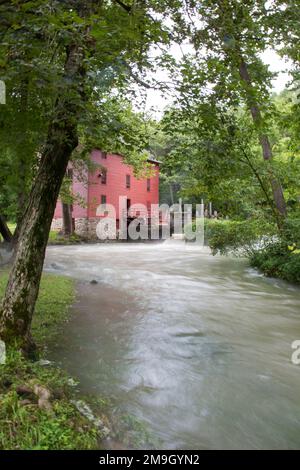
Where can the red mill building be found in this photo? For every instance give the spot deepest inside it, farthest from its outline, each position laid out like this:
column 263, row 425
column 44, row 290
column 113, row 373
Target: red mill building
column 112, row 178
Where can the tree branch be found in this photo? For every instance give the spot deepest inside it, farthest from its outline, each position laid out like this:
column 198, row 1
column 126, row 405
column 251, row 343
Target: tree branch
column 137, row 79
column 124, row 6
column 258, row 177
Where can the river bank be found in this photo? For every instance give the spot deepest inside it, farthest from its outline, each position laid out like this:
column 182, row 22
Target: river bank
column 152, row 324
column 181, row 341
column 39, row 405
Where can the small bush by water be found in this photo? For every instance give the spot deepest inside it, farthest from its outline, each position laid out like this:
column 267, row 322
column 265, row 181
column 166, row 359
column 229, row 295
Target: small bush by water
column 239, row 237
column 278, row 261
column 282, row 258
column 275, row 254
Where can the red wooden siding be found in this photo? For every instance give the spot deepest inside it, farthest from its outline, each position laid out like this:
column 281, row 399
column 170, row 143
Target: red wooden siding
column 141, row 191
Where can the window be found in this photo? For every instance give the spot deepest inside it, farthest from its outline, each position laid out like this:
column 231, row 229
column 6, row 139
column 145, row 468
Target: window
column 103, row 199
column 128, row 181
column 104, row 155
column 103, row 177
column 148, row 184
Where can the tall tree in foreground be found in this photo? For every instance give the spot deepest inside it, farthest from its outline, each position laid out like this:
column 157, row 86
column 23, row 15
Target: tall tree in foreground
column 95, row 40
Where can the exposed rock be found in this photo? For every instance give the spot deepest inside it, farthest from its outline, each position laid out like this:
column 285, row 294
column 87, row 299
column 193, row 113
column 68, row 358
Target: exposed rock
column 26, row 402
column 86, row 411
column 43, row 395
column 94, row 281
column 113, row 445
column 2, row 352
column 58, row 394
column 5, row 383
column 72, row 382
column 57, row 224
column 44, row 362
column 54, row 266
column 25, row 391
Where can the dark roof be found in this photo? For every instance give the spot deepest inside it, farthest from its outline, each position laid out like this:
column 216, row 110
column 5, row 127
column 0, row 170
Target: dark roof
column 153, row 160
column 150, row 159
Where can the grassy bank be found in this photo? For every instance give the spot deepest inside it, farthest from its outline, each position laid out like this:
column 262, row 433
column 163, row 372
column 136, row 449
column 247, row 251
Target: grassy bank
column 35, row 399
column 55, row 238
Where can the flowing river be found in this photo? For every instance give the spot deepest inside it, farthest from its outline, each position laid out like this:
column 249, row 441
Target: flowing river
column 195, row 347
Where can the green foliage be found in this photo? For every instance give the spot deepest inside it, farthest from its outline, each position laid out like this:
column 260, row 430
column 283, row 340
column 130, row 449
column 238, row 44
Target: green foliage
column 52, row 309
column 56, row 295
column 225, row 111
column 278, row 261
column 35, row 37
column 55, row 238
column 238, row 237
column 275, row 253
column 213, row 153
column 27, row 426
column 113, row 126
column 291, row 232
column 11, row 226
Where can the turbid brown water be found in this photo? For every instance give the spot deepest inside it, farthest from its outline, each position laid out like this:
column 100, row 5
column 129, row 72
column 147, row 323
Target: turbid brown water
column 197, row 347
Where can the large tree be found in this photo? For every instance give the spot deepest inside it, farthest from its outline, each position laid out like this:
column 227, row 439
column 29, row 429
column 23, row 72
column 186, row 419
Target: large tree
column 213, row 153
column 96, row 45
column 228, row 37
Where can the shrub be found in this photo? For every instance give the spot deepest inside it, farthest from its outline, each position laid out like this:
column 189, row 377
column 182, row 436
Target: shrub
column 275, row 254
column 278, row 260
column 237, row 237
column 291, row 232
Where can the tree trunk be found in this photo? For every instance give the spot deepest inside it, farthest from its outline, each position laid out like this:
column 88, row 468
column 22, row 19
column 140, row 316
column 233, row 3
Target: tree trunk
column 67, row 219
column 171, row 193
column 22, row 160
column 264, row 141
column 4, row 230
column 68, row 229
column 23, row 285
column 22, row 157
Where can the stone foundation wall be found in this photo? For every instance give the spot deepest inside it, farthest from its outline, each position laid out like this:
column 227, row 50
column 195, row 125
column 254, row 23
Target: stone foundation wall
column 91, row 232
column 83, row 227
column 86, row 228
column 91, row 228
column 57, row 225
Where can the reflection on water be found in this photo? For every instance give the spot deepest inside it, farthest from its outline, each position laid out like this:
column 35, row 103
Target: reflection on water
column 197, row 347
